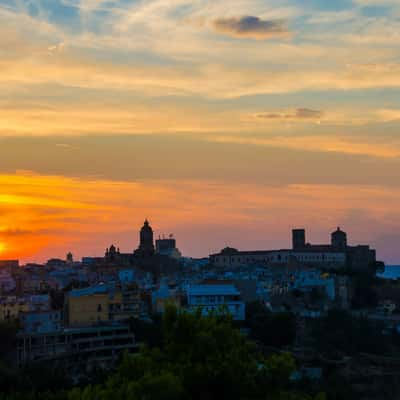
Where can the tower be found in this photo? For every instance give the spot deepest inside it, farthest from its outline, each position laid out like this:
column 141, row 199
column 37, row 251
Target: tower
column 112, row 254
column 69, row 258
column 146, row 245
column 339, row 240
column 298, row 239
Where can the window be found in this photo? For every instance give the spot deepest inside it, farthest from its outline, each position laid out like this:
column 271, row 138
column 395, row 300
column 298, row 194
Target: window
column 99, row 308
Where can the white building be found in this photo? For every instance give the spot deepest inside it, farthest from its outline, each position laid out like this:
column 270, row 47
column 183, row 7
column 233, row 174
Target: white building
column 235, row 258
column 216, row 298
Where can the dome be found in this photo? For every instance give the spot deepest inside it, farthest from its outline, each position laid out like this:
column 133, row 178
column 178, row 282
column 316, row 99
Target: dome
column 338, row 232
column 339, row 239
column 146, row 245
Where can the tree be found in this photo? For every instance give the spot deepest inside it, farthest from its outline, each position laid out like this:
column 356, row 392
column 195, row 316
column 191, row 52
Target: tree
column 198, row 358
column 272, row 329
column 8, row 332
column 340, row 333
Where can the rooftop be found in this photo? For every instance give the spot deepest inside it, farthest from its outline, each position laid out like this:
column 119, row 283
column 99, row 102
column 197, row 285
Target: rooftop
column 204, row 290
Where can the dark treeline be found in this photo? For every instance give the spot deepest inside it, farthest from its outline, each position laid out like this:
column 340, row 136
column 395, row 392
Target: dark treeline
column 195, row 357
column 187, row 356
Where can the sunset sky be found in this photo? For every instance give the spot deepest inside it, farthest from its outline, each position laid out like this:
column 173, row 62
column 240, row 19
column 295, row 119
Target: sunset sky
column 223, row 122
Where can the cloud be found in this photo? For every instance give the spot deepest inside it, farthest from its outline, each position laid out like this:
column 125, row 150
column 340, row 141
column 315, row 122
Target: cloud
column 56, row 47
column 299, row 113
column 318, row 144
column 388, row 115
column 365, row 3
column 15, row 232
column 66, row 146
column 252, row 27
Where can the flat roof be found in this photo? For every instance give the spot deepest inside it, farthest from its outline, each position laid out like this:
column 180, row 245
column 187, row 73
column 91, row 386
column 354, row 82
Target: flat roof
column 223, row 289
column 306, row 250
column 77, row 330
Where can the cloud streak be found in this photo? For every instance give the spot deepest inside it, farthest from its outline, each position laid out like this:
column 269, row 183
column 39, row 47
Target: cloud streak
column 298, row 114
column 252, row 27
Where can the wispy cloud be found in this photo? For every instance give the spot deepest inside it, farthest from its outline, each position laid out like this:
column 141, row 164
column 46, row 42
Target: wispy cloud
column 299, row 114
column 326, row 144
column 252, row 27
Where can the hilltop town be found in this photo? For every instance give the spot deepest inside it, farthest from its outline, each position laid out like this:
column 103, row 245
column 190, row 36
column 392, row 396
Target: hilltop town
column 85, row 314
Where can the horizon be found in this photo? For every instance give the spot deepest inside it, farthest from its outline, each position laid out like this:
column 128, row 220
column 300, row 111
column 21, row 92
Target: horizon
column 159, row 235
column 222, row 127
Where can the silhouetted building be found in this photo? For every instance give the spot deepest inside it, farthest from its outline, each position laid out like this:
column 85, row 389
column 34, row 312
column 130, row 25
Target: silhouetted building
column 333, row 255
column 112, row 254
column 307, row 256
column 298, row 238
column 146, row 245
column 339, row 240
column 55, row 262
column 70, row 258
column 9, row 264
column 167, row 247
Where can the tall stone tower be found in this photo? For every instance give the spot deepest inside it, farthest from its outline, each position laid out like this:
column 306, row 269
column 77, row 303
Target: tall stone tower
column 298, row 239
column 146, row 245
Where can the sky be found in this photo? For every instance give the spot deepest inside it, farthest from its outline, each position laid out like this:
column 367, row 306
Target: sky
column 225, row 123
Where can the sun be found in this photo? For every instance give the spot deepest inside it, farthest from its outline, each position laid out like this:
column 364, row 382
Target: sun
column 2, row 247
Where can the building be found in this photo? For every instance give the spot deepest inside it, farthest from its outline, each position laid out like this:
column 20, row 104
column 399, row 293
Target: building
column 12, row 306
column 7, row 282
column 334, row 255
column 80, row 349
column 163, row 296
column 102, row 303
column 229, row 257
column 114, row 257
column 310, row 282
column 298, row 239
column 360, row 256
column 146, row 244
column 131, row 304
column 216, row 298
column 9, row 264
column 167, row 247
column 91, row 305
column 126, row 276
column 56, row 263
column 39, row 302
column 357, row 257
column 41, row 321
column 339, row 240
column 112, row 254
column 69, row 258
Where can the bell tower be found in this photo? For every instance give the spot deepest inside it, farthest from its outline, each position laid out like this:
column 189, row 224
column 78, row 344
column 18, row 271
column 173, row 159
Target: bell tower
column 146, row 245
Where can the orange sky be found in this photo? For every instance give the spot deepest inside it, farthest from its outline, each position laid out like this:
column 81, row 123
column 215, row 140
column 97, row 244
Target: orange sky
column 47, row 216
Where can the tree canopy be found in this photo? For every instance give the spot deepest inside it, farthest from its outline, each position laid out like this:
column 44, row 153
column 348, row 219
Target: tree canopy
column 199, row 358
